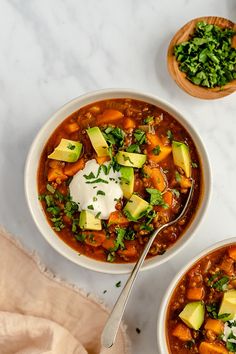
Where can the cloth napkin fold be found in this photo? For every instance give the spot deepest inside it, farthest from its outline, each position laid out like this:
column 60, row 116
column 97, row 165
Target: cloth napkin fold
column 43, row 315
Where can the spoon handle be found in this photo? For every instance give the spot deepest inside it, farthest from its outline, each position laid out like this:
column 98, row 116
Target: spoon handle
column 112, row 325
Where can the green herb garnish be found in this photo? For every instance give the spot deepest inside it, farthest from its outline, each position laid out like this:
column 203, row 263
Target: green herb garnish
column 140, row 136
column 156, row 198
column 208, row 58
column 156, row 150
column 98, row 180
column 71, row 146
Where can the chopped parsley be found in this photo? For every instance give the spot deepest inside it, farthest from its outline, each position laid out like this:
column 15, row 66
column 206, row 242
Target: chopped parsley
column 101, row 192
column 114, row 136
column 127, row 158
column 89, row 176
column 133, row 148
column 50, row 188
column 156, row 150
column 98, row 214
column 140, row 136
column 118, row 284
column 71, row 146
column 194, row 165
column 176, row 192
column 91, row 207
column 98, row 180
column 177, row 177
column 208, row 58
column 156, row 198
column 148, row 120
column 169, row 135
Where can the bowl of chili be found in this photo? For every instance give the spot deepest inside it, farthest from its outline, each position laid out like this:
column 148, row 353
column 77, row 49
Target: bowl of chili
column 198, row 311
column 106, row 169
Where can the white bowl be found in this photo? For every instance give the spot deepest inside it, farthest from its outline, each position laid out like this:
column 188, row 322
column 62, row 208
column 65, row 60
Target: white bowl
column 162, row 312
column 31, row 189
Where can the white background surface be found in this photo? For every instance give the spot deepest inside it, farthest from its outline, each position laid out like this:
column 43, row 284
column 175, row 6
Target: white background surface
column 52, row 51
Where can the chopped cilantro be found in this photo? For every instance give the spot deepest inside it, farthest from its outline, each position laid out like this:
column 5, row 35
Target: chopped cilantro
column 156, row 197
column 101, row 192
column 169, row 135
column 127, row 158
column 133, row 148
column 194, row 165
column 208, row 57
column 50, row 188
column 177, row 177
column 118, row 284
column 111, row 257
column 98, row 180
column 156, row 150
column 71, row 146
column 149, row 119
column 176, row 192
column 90, row 176
column 140, row 136
column 91, row 207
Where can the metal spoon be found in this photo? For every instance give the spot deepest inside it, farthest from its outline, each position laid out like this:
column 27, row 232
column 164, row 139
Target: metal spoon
column 112, row 325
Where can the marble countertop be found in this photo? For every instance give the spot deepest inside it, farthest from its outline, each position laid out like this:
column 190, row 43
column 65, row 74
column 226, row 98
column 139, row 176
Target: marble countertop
column 53, row 51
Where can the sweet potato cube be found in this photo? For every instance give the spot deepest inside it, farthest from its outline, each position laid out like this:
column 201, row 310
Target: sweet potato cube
column 195, row 293
column 215, row 326
column 182, row 332
column 129, row 123
column 72, row 168
column 109, row 116
column 232, row 252
column 212, row 348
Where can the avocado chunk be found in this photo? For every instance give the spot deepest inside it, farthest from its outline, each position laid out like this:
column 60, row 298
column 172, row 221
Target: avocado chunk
column 130, row 159
column 88, row 221
column 193, row 314
column 67, row 150
column 135, row 207
column 98, row 141
column 127, row 181
column 181, row 157
column 228, row 305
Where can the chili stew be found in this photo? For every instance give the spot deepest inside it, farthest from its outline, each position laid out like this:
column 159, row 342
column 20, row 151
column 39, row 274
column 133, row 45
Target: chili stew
column 201, row 316
column 112, row 172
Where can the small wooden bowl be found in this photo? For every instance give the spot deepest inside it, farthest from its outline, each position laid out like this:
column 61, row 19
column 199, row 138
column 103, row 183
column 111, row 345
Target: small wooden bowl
column 180, row 77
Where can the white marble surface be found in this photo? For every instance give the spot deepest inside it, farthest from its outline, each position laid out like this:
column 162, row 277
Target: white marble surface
column 54, row 50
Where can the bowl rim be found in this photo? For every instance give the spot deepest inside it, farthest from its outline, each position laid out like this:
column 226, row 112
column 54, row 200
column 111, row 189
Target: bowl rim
column 162, row 311
column 31, row 168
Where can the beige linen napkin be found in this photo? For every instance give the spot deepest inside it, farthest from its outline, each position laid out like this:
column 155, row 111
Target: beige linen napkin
column 42, row 315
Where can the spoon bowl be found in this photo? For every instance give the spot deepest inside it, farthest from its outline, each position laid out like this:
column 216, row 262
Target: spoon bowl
column 112, row 325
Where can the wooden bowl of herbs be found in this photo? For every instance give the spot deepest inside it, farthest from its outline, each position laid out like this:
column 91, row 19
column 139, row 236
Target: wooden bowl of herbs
column 202, row 57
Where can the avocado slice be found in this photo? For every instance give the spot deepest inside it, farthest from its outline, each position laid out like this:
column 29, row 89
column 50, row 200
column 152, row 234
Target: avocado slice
column 98, row 141
column 135, row 207
column 130, row 159
column 67, row 150
column 88, row 221
column 228, row 305
column 127, row 181
column 181, row 157
column 193, row 314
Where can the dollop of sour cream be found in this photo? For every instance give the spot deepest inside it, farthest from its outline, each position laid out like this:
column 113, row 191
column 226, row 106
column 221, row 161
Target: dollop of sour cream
column 96, row 189
column 230, row 331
